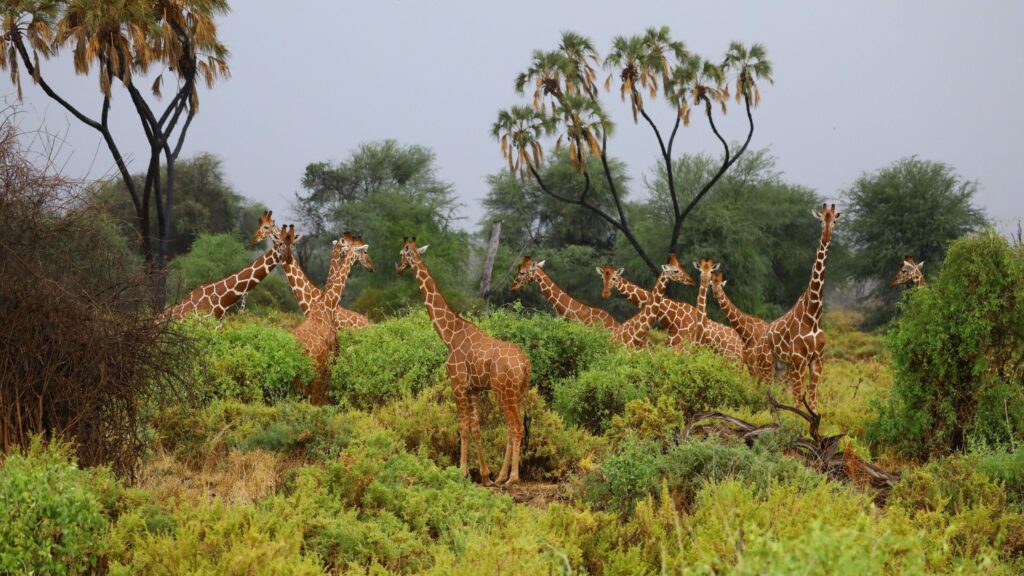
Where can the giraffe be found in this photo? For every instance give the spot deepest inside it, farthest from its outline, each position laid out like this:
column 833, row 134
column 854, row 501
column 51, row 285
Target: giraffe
column 750, row 328
column 679, row 318
column 307, row 293
column 317, row 332
column 216, row 297
column 796, row 339
column 910, row 271
column 719, row 337
column 653, row 305
column 475, row 363
column 564, row 304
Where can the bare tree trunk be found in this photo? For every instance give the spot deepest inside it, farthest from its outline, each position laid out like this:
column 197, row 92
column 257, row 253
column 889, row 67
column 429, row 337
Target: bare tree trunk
column 492, row 251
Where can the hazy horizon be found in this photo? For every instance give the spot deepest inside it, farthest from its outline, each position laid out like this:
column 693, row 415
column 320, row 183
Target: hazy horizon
column 857, row 87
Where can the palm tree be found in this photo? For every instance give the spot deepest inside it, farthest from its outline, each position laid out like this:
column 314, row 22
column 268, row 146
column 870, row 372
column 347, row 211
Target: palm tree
column 696, row 82
column 579, row 59
column 585, row 125
column 750, row 65
column 640, row 60
column 518, row 129
column 546, row 72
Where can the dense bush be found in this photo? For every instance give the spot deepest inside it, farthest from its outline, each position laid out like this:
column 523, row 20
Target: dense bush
column 428, row 423
column 698, row 381
column 639, row 467
column 1006, row 467
column 53, row 519
column 957, row 351
column 249, row 361
column 557, row 348
column 387, row 361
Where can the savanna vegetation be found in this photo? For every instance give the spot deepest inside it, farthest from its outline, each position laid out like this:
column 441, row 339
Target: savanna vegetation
column 134, row 446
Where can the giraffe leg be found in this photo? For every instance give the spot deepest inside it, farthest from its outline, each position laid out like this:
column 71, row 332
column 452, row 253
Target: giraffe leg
column 816, row 366
column 510, row 405
column 460, row 390
column 474, row 428
column 795, row 378
column 505, row 462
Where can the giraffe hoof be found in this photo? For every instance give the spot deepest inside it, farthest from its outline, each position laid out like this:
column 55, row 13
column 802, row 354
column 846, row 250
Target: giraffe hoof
column 511, row 481
column 501, row 480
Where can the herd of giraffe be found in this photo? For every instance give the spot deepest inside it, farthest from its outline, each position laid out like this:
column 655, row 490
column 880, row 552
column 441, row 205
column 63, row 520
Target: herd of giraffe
column 791, row 345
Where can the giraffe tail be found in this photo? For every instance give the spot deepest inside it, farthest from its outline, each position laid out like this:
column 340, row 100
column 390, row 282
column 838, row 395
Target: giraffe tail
column 526, row 432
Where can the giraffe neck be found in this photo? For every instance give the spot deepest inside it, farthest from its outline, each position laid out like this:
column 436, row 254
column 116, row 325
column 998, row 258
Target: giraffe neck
column 635, row 294
column 743, row 323
column 558, row 298
column 660, row 284
column 702, row 294
column 236, row 285
column 305, row 292
column 815, row 290
column 341, row 266
column 445, row 321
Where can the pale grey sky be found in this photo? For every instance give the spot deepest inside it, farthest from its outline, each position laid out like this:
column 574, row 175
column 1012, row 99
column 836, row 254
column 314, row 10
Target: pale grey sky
column 857, row 86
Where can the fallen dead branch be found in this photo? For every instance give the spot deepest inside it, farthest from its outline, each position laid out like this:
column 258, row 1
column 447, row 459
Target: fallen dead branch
column 823, row 453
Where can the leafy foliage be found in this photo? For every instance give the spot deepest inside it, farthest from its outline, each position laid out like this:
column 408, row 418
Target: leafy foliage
column 384, row 191
column 911, row 207
column 957, row 350
column 252, row 362
column 54, row 522
column 698, row 381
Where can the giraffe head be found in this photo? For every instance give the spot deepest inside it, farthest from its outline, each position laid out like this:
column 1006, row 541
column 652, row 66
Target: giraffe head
column 717, row 281
column 265, row 228
column 410, row 254
column 288, row 239
column 360, row 249
column 707, row 267
column 612, row 278
column 828, row 217
column 675, row 271
column 529, row 269
column 910, row 271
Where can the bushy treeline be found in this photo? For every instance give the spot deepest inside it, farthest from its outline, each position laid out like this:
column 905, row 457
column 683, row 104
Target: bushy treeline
column 958, row 355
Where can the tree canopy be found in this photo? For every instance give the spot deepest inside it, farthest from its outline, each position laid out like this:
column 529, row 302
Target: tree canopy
column 912, row 207
column 383, row 191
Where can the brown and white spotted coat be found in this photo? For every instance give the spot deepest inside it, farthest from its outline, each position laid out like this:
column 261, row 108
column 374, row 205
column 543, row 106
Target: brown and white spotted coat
column 216, row 297
column 910, row 272
column 476, row 362
column 317, row 333
column 750, row 328
column 306, row 292
column 679, row 318
column 565, row 305
column 633, row 332
column 796, row 340
column 719, row 337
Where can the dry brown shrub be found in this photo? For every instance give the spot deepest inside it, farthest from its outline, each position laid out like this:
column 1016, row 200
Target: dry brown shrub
column 80, row 355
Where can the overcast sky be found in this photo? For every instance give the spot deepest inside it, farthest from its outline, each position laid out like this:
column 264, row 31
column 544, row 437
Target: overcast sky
column 857, row 86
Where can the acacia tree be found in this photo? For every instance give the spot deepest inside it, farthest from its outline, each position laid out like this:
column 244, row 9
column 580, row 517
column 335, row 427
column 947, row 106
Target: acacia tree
column 125, row 41
column 567, row 103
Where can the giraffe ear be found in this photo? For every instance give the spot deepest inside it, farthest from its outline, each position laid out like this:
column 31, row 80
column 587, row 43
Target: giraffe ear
column 919, row 264
column 297, row 238
column 362, row 248
column 695, row 265
column 541, row 263
column 666, row 268
column 599, row 271
column 723, row 282
column 423, row 248
column 717, row 266
column 620, row 271
column 816, row 214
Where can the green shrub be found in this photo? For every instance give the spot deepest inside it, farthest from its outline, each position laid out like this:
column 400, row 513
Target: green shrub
column 250, row 361
column 557, row 348
column 1005, row 466
column 701, row 380
column 428, row 423
column 638, row 468
column 956, row 355
column 53, row 516
column 387, row 361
